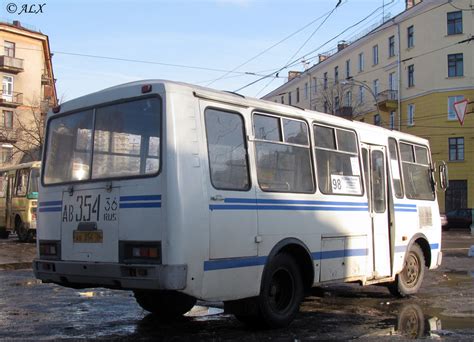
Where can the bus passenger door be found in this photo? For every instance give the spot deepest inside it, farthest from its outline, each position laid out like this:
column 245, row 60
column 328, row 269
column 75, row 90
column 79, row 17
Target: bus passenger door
column 376, row 183
column 232, row 205
column 8, row 201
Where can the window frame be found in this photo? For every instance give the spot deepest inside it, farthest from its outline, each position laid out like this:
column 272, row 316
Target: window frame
column 391, row 46
column 247, row 158
column 454, row 117
column 94, row 108
column 451, row 23
column 15, row 190
column 411, row 114
column 361, row 62
column 400, row 170
column 359, row 155
column 410, row 36
column 13, row 48
column 282, row 117
column 411, row 75
column 430, row 163
column 375, row 54
column 456, row 145
column 11, row 113
column 456, row 61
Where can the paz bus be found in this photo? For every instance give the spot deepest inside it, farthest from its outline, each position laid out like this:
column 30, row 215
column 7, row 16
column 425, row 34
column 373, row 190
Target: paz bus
column 179, row 192
column 18, row 200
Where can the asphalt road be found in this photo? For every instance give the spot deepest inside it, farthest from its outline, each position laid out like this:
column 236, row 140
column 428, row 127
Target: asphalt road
column 443, row 309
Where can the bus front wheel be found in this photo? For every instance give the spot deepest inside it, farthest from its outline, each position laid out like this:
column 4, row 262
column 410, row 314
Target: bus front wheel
column 165, row 304
column 24, row 234
column 409, row 280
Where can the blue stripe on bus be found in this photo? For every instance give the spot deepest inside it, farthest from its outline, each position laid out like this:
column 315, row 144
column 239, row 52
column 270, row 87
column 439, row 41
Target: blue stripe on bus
column 140, row 205
column 286, row 201
column 405, row 210
column 141, row 198
column 49, row 203
column 283, row 207
column 402, row 249
column 223, row 264
column 50, row 209
column 405, row 205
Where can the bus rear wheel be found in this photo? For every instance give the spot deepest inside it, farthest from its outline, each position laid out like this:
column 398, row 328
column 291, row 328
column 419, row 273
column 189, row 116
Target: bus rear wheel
column 24, row 234
column 409, row 280
column 281, row 292
column 164, row 304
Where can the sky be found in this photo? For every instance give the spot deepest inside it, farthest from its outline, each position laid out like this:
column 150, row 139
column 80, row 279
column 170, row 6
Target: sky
column 204, row 42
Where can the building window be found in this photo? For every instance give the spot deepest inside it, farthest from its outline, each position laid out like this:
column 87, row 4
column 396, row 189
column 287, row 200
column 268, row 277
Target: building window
column 377, row 120
column 391, row 46
column 349, row 99
column 411, row 75
column 392, row 81
column 282, row 99
column 410, row 36
column 392, row 119
column 411, row 115
column 9, row 49
column 376, row 87
column 7, row 154
column 306, row 91
column 289, row 98
column 7, row 119
column 455, row 65
column 456, row 149
column 325, row 106
column 348, row 68
column 451, row 101
column 375, row 54
column 336, row 103
column 336, row 74
column 315, row 85
column 361, row 62
column 325, row 80
column 297, row 95
column 361, row 94
column 7, row 92
column 455, row 22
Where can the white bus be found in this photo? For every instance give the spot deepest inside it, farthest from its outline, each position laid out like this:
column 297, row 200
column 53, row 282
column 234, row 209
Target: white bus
column 180, row 193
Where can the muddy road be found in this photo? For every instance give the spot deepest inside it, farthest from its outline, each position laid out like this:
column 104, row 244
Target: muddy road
column 443, row 309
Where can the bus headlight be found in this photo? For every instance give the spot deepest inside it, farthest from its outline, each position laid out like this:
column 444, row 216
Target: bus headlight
column 140, row 252
column 49, row 249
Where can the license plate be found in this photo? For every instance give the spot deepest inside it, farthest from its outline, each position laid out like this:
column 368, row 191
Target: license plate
column 88, row 237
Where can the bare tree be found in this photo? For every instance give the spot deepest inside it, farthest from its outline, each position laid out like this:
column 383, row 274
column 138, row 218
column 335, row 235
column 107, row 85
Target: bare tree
column 340, row 98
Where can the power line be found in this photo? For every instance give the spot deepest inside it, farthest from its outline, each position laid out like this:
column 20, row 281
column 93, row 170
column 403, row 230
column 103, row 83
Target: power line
column 302, row 57
column 269, row 48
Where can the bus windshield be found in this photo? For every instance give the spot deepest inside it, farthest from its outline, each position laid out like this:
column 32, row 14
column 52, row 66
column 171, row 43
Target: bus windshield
column 118, row 140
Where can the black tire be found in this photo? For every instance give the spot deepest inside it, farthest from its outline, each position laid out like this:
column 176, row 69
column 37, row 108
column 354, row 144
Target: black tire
column 165, row 304
column 24, row 235
column 409, row 280
column 4, row 233
column 281, row 292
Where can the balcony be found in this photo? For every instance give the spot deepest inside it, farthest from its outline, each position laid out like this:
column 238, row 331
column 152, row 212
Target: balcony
column 388, row 100
column 11, row 100
column 344, row 112
column 11, row 64
column 8, row 135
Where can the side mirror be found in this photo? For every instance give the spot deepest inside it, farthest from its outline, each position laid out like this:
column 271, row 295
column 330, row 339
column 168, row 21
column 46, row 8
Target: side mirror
column 443, row 175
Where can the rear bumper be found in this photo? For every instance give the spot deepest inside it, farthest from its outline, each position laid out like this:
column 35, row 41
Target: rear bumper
column 78, row 274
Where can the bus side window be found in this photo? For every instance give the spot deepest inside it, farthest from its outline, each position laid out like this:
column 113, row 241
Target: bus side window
column 227, row 151
column 395, row 167
column 21, row 182
column 416, row 172
column 3, row 184
column 337, row 158
column 283, row 154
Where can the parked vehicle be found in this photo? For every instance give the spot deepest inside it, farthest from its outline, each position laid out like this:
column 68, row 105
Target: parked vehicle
column 459, row 218
column 18, row 200
column 180, row 192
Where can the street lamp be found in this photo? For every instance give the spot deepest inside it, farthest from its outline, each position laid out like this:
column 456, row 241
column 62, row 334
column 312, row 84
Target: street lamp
column 350, row 80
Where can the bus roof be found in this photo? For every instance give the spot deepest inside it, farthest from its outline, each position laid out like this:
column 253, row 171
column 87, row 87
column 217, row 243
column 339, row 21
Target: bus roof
column 35, row 164
column 133, row 89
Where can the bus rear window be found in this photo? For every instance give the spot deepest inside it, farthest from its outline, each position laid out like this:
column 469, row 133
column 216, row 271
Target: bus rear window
column 124, row 141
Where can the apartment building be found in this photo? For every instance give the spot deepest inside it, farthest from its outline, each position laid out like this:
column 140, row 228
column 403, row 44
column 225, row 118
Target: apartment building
column 405, row 75
column 28, row 91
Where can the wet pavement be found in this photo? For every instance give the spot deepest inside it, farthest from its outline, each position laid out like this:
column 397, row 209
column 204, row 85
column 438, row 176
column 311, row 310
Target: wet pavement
column 443, row 309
